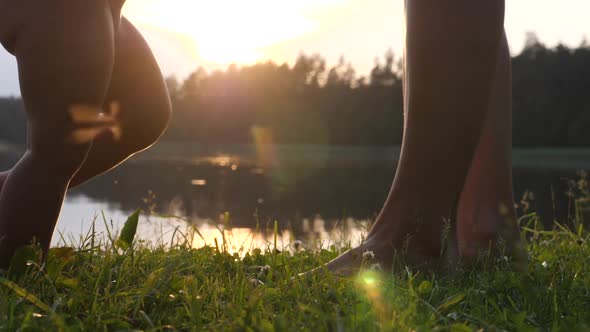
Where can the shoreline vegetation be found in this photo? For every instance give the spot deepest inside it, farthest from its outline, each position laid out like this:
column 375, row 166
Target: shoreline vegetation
column 311, row 102
column 110, row 282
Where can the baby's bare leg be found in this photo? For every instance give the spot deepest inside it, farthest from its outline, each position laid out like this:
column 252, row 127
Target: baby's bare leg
column 138, row 87
column 3, row 176
column 65, row 54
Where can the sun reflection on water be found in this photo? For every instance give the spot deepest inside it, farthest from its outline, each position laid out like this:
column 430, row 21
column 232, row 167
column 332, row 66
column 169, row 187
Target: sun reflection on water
column 241, row 240
column 166, row 230
column 199, row 182
column 221, row 161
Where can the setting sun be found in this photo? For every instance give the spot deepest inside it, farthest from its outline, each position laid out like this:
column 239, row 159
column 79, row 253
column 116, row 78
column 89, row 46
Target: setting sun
column 229, row 31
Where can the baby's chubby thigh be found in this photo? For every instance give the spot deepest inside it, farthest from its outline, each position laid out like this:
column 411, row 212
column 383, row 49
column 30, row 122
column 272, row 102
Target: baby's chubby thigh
column 11, row 19
column 65, row 55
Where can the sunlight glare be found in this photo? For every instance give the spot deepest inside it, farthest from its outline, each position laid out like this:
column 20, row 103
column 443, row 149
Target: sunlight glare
column 229, row 31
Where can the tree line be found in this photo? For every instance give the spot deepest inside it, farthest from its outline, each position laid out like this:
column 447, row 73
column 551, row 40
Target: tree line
column 309, row 103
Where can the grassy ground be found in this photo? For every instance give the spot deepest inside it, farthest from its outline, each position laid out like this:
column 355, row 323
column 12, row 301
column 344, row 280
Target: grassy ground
column 118, row 285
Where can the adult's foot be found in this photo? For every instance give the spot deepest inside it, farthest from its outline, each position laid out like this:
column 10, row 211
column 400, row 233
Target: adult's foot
column 389, row 243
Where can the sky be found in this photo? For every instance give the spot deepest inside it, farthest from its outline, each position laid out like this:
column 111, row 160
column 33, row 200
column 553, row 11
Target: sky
column 187, row 34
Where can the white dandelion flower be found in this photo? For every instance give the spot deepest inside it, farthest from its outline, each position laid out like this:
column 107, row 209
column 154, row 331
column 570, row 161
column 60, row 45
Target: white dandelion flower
column 368, row 255
column 297, row 245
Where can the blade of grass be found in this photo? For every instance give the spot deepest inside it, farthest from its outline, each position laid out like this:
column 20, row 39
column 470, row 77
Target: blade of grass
column 26, row 295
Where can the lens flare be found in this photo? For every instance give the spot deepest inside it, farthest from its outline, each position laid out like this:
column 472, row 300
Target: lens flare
column 370, row 283
column 90, row 122
column 265, row 146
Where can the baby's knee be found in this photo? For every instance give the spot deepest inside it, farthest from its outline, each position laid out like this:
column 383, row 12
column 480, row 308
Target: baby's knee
column 137, row 85
column 158, row 123
column 141, row 135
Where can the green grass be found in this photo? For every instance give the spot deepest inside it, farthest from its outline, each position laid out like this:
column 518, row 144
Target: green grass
column 109, row 284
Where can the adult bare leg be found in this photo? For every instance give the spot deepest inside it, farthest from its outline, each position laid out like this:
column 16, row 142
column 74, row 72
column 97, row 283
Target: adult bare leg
column 486, row 207
column 65, row 55
column 451, row 54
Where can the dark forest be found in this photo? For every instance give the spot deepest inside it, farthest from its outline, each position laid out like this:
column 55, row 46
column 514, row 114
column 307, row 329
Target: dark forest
column 309, row 103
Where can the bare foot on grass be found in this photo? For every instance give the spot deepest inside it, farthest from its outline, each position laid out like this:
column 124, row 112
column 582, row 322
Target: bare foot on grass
column 388, row 246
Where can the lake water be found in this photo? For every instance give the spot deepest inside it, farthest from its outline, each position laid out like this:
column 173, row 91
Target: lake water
column 319, row 195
